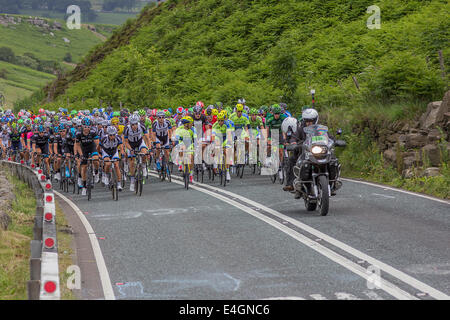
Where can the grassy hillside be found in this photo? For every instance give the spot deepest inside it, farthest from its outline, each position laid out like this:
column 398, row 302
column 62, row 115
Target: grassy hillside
column 264, row 50
column 39, row 52
column 271, row 51
column 18, row 82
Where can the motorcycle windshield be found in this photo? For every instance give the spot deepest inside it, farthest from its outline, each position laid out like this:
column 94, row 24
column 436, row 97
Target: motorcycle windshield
column 316, row 134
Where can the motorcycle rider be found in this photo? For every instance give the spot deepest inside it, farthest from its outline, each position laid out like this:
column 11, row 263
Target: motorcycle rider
column 309, row 117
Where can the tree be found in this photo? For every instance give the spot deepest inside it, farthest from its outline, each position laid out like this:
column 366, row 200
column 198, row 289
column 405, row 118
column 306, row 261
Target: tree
column 6, row 54
column 68, row 57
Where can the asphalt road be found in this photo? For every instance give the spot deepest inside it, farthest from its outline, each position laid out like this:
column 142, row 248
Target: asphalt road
column 251, row 240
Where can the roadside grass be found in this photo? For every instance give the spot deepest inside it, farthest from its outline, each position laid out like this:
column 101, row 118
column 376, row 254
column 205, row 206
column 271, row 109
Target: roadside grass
column 15, row 245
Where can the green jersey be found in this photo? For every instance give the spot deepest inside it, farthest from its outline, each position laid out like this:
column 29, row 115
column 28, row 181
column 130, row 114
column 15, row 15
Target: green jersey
column 240, row 122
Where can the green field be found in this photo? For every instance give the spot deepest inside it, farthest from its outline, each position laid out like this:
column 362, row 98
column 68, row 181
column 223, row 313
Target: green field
column 115, row 18
column 21, row 81
column 25, row 38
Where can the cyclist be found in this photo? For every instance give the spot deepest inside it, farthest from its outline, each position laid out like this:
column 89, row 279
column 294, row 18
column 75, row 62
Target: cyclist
column 110, row 144
column 274, row 124
column 222, row 137
column 135, row 138
column 15, row 143
column 40, row 146
column 86, row 143
column 161, row 131
column 184, row 139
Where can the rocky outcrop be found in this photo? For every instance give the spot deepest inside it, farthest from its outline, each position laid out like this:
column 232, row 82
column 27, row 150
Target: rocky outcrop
column 432, row 154
column 419, row 142
column 431, row 172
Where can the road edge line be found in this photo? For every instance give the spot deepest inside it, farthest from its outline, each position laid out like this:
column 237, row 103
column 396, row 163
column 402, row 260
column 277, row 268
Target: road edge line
column 108, row 291
column 400, row 275
column 412, row 193
column 385, row 285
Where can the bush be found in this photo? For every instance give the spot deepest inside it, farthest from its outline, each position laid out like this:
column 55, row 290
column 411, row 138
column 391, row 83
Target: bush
column 6, row 54
column 68, row 57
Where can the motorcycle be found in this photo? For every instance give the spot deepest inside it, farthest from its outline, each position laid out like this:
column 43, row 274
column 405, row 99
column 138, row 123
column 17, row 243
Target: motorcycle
column 317, row 170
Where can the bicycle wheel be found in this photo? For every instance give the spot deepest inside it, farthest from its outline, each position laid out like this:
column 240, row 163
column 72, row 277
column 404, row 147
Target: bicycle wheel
column 273, row 177
column 89, row 180
column 168, row 173
column 186, row 177
column 282, row 170
column 224, row 170
column 113, row 181
column 141, row 184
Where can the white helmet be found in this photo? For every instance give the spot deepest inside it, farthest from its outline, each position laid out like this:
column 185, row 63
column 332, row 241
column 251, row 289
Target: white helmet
column 289, row 123
column 310, row 114
column 134, row 119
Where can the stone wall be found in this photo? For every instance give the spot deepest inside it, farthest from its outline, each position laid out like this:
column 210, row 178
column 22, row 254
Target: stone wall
column 418, row 143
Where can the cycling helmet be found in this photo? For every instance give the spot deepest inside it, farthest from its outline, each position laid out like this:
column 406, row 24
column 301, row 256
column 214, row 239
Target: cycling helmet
column 197, row 109
column 185, row 120
column 134, row 119
column 62, row 126
column 116, row 114
column 86, row 122
column 239, row 107
column 200, row 103
column 41, row 110
column 289, row 123
column 253, row 111
column 310, row 114
column 241, row 101
column 167, row 113
column 180, row 110
column 276, row 109
column 115, row 121
column 160, row 114
column 41, row 128
column 221, row 115
column 141, row 112
column 111, row 130
column 48, row 124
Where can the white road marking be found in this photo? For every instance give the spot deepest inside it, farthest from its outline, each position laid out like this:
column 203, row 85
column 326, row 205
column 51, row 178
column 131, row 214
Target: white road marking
column 284, row 298
column 317, row 297
column 350, row 265
column 362, row 256
column 118, row 216
column 108, row 291
column 346, row 296
column 398, row 190
column 383, row 195
column 372, row 295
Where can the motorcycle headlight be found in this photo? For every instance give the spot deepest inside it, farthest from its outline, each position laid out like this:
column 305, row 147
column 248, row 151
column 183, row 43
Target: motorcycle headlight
column 318, row 149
